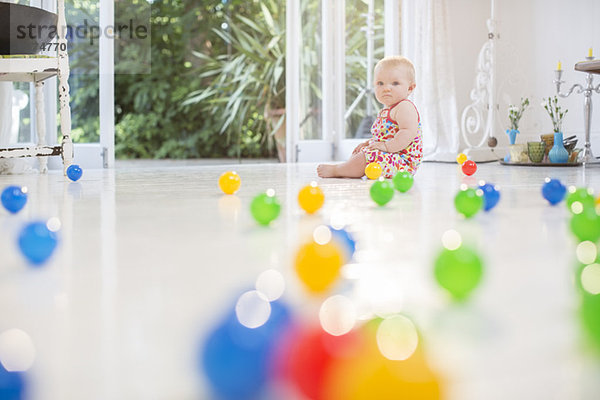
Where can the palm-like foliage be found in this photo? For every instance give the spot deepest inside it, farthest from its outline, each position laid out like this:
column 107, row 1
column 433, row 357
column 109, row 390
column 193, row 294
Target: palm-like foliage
column 246, row 84
column 249, row 81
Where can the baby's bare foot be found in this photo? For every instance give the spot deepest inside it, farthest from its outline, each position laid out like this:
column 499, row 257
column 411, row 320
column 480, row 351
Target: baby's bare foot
column 326, row 171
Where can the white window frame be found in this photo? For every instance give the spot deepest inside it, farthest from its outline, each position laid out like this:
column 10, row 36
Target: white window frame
column 334, row 145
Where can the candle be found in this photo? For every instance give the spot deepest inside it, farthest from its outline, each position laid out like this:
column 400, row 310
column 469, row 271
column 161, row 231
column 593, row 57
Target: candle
column 559, row 66
column 590, row 53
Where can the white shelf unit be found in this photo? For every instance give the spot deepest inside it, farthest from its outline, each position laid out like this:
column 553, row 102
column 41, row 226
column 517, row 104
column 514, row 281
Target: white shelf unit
column 36, row 70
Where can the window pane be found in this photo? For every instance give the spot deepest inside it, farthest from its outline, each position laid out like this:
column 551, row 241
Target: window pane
column 310, row 70
column 21, row 118
column 82, row 24
column 358, row 90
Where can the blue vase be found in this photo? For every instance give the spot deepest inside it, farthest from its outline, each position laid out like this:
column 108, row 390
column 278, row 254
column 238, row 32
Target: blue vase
column 558, row 153
column 512, row 135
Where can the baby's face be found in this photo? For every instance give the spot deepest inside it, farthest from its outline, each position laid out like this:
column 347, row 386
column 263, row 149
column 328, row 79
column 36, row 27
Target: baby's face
column 392, row 85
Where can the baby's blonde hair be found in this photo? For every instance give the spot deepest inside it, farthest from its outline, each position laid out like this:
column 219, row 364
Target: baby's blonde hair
column 396, row 62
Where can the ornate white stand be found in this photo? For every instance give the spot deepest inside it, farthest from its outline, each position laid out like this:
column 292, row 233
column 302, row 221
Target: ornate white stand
column 36, row 70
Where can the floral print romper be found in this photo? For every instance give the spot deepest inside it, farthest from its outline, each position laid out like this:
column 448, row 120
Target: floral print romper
column 383, row 129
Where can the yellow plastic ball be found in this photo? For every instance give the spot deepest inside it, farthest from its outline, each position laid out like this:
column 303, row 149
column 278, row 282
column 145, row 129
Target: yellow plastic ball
column 318, row 265
column 229, row 182
column 373, row 170
column 461, row 158
column 365, row 374
column 311, row 198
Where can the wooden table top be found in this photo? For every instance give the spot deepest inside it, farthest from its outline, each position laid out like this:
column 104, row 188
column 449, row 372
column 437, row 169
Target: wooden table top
column 592, row 66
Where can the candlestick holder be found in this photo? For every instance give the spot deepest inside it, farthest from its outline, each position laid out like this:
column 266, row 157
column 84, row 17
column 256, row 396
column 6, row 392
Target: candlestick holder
column 587, row 156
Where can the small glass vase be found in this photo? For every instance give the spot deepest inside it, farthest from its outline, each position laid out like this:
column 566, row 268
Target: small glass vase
column 558, row 153
column 512, row 135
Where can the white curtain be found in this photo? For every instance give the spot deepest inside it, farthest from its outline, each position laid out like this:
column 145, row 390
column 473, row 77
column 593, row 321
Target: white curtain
column 426, row 41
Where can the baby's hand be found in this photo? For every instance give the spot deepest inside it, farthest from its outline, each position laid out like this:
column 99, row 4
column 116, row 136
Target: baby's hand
column 359, row 147
column 377, row 146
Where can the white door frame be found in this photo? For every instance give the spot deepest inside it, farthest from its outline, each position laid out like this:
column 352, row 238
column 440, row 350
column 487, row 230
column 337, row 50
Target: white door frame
column 333, row 144
column 107, row 85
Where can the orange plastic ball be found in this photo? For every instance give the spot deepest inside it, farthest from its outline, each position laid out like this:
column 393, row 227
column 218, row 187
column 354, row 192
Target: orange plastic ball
column 461, row 158
column 229, row 182
column 311, row 198
column 318, row 265
column 469, row 167
column 373, row 170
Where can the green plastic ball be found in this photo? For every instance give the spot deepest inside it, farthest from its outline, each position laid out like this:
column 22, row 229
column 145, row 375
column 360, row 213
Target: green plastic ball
column 585, row 225
column 403, row 181
column 382, row 191
column 590, row 317
column 458, row 271
column 265, row 208
column 468, row 201
column 583, row 195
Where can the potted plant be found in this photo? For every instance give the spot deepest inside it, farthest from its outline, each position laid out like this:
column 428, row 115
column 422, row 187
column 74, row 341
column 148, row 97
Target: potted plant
column 558, row 153
column 246, row 89
column 514, row 115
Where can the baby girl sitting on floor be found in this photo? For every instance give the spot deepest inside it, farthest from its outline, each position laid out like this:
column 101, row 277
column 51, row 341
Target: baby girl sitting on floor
column 396, row 142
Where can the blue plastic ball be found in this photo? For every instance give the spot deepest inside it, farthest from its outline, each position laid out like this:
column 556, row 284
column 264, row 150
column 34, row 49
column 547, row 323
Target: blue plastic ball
column 37, row 242
column 236, row 359
column 491, row 196
column 554, row 191
column 14, row 198
column 74, row 172
column 12, row 384
column 346, row 240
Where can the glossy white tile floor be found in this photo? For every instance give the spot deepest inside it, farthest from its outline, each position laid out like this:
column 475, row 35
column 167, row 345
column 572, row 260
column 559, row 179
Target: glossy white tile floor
column 149, row 258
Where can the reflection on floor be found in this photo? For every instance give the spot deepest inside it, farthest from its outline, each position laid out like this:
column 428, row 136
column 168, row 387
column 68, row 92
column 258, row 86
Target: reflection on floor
column 151, row 259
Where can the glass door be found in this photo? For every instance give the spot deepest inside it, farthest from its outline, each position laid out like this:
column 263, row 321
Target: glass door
column 332, row 47
column 307, row 140
column 364, row 46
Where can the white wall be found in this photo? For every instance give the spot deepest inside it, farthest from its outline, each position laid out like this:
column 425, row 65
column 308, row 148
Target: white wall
column 534, row 36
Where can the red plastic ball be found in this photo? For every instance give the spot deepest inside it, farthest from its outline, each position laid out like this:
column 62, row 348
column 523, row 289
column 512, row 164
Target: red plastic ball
column 469, row 167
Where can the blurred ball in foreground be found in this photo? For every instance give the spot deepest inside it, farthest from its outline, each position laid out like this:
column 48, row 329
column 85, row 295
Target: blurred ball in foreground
column 362, row 372
column 459, row 271
column 584, row 196
column 318, row 265
column 553, row 191
column 585, row 225
column 236, row 360
column 14, row 198
column 37, row 242
column 12, row 385
column 345, row 240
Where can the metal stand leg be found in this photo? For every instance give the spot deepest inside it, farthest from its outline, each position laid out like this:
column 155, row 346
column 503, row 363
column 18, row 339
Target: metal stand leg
column 588, row 156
